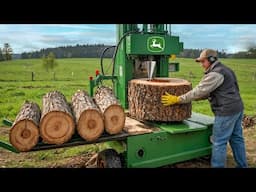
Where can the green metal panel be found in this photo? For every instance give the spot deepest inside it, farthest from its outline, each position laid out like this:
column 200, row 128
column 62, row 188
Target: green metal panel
column 163, row 66
column 152, row 44
column 202, row 119
column 175, row 142
column 162, row 148
column 7, row 122
column 123, row 66
column 181, row 127
column 177, row 46
column 8, row 146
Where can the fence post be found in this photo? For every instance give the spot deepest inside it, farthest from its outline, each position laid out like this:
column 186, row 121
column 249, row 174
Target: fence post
column 254, row 76
column 32, row 75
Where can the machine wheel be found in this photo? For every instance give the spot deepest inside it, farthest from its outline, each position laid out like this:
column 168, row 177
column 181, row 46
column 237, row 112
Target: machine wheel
column 109, row 158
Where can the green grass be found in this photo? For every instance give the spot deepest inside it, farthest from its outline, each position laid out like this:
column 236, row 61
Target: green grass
column 72, row 74
column 16, row 85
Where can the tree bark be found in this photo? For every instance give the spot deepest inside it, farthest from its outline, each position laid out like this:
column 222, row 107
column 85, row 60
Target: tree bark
column 144, row 98
column 57, row 124
column 88, row 117
column 113, row 112
column 24, row 133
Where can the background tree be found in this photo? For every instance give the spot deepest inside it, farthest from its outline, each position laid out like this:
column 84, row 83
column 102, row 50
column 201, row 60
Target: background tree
column 1, row 55
column 49, row 61
column 7, row 52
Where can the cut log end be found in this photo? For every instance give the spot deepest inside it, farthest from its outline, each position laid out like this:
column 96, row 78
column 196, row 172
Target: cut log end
column 144, row 99
column 24, row 135
column 90, row 125
column 56, row 127
column 114, row 118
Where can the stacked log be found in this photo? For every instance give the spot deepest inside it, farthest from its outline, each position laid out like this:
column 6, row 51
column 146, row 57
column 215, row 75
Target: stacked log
column 144, row 98
column 57, row 121
column 113, row 112
column 57, row 124
column 88, row 117
column 24, row 133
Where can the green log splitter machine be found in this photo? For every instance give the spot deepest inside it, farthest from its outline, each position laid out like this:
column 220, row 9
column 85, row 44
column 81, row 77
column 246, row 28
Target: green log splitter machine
column 172, row 142
column 175, row 141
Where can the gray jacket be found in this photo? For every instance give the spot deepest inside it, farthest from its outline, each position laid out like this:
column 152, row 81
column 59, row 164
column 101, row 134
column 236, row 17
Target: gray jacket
column 219, row 86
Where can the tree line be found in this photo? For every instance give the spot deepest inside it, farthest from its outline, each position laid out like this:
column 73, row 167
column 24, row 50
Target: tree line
column 95, row 50
column 194, row 53
column 77, row 51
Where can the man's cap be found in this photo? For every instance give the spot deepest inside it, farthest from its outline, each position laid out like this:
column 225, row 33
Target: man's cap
column 205, row 54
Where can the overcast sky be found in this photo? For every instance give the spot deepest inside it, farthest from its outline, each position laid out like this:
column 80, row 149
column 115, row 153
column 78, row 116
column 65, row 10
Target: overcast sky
column 32, row 37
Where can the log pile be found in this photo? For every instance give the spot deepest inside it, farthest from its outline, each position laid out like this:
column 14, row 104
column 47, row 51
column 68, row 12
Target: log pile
column 57, row 124
column 24, row 133
column 113, row 112
column 144, row 98
column 58, row 120
column 88, row 117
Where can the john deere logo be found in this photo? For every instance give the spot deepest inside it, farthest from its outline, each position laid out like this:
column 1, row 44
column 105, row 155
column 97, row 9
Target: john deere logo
column 156, row 44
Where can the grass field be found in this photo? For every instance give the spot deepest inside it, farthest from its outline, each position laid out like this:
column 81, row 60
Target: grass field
column 73, row 74
column 16, row 85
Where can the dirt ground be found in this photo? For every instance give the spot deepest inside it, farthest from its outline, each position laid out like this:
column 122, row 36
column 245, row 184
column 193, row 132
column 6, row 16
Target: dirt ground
column 87, row 159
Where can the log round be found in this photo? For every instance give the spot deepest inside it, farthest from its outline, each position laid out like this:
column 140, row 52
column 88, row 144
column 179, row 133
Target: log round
column 24, row 133
column 114, row 116
column 88, row 116
column 57, row 124
column 144, row 97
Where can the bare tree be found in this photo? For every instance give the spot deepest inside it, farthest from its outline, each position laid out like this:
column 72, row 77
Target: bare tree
column 49, row 62
column 1, row 55
column 7, row 52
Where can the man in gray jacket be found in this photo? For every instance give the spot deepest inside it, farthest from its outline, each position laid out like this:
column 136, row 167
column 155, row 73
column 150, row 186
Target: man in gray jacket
column 219, row 85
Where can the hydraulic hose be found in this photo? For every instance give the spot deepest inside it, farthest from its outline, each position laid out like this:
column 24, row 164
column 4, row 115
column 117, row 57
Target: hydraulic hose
column 101, row 58
column 116, row 49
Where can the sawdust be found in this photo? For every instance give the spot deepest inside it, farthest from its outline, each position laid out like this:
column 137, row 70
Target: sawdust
column 249, row 121
column 81, row 161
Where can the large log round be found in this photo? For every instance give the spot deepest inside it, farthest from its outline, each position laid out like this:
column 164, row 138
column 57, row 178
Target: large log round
column 24, row 133
column 88, row 116
column 114, row 116
column 57, row 124
column 144, row 97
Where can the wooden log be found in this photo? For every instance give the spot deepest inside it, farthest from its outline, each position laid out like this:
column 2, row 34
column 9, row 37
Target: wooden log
column 57, row 124
column 24, row 133
column 144, row 98
column 88, row 116
column 113, row 112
